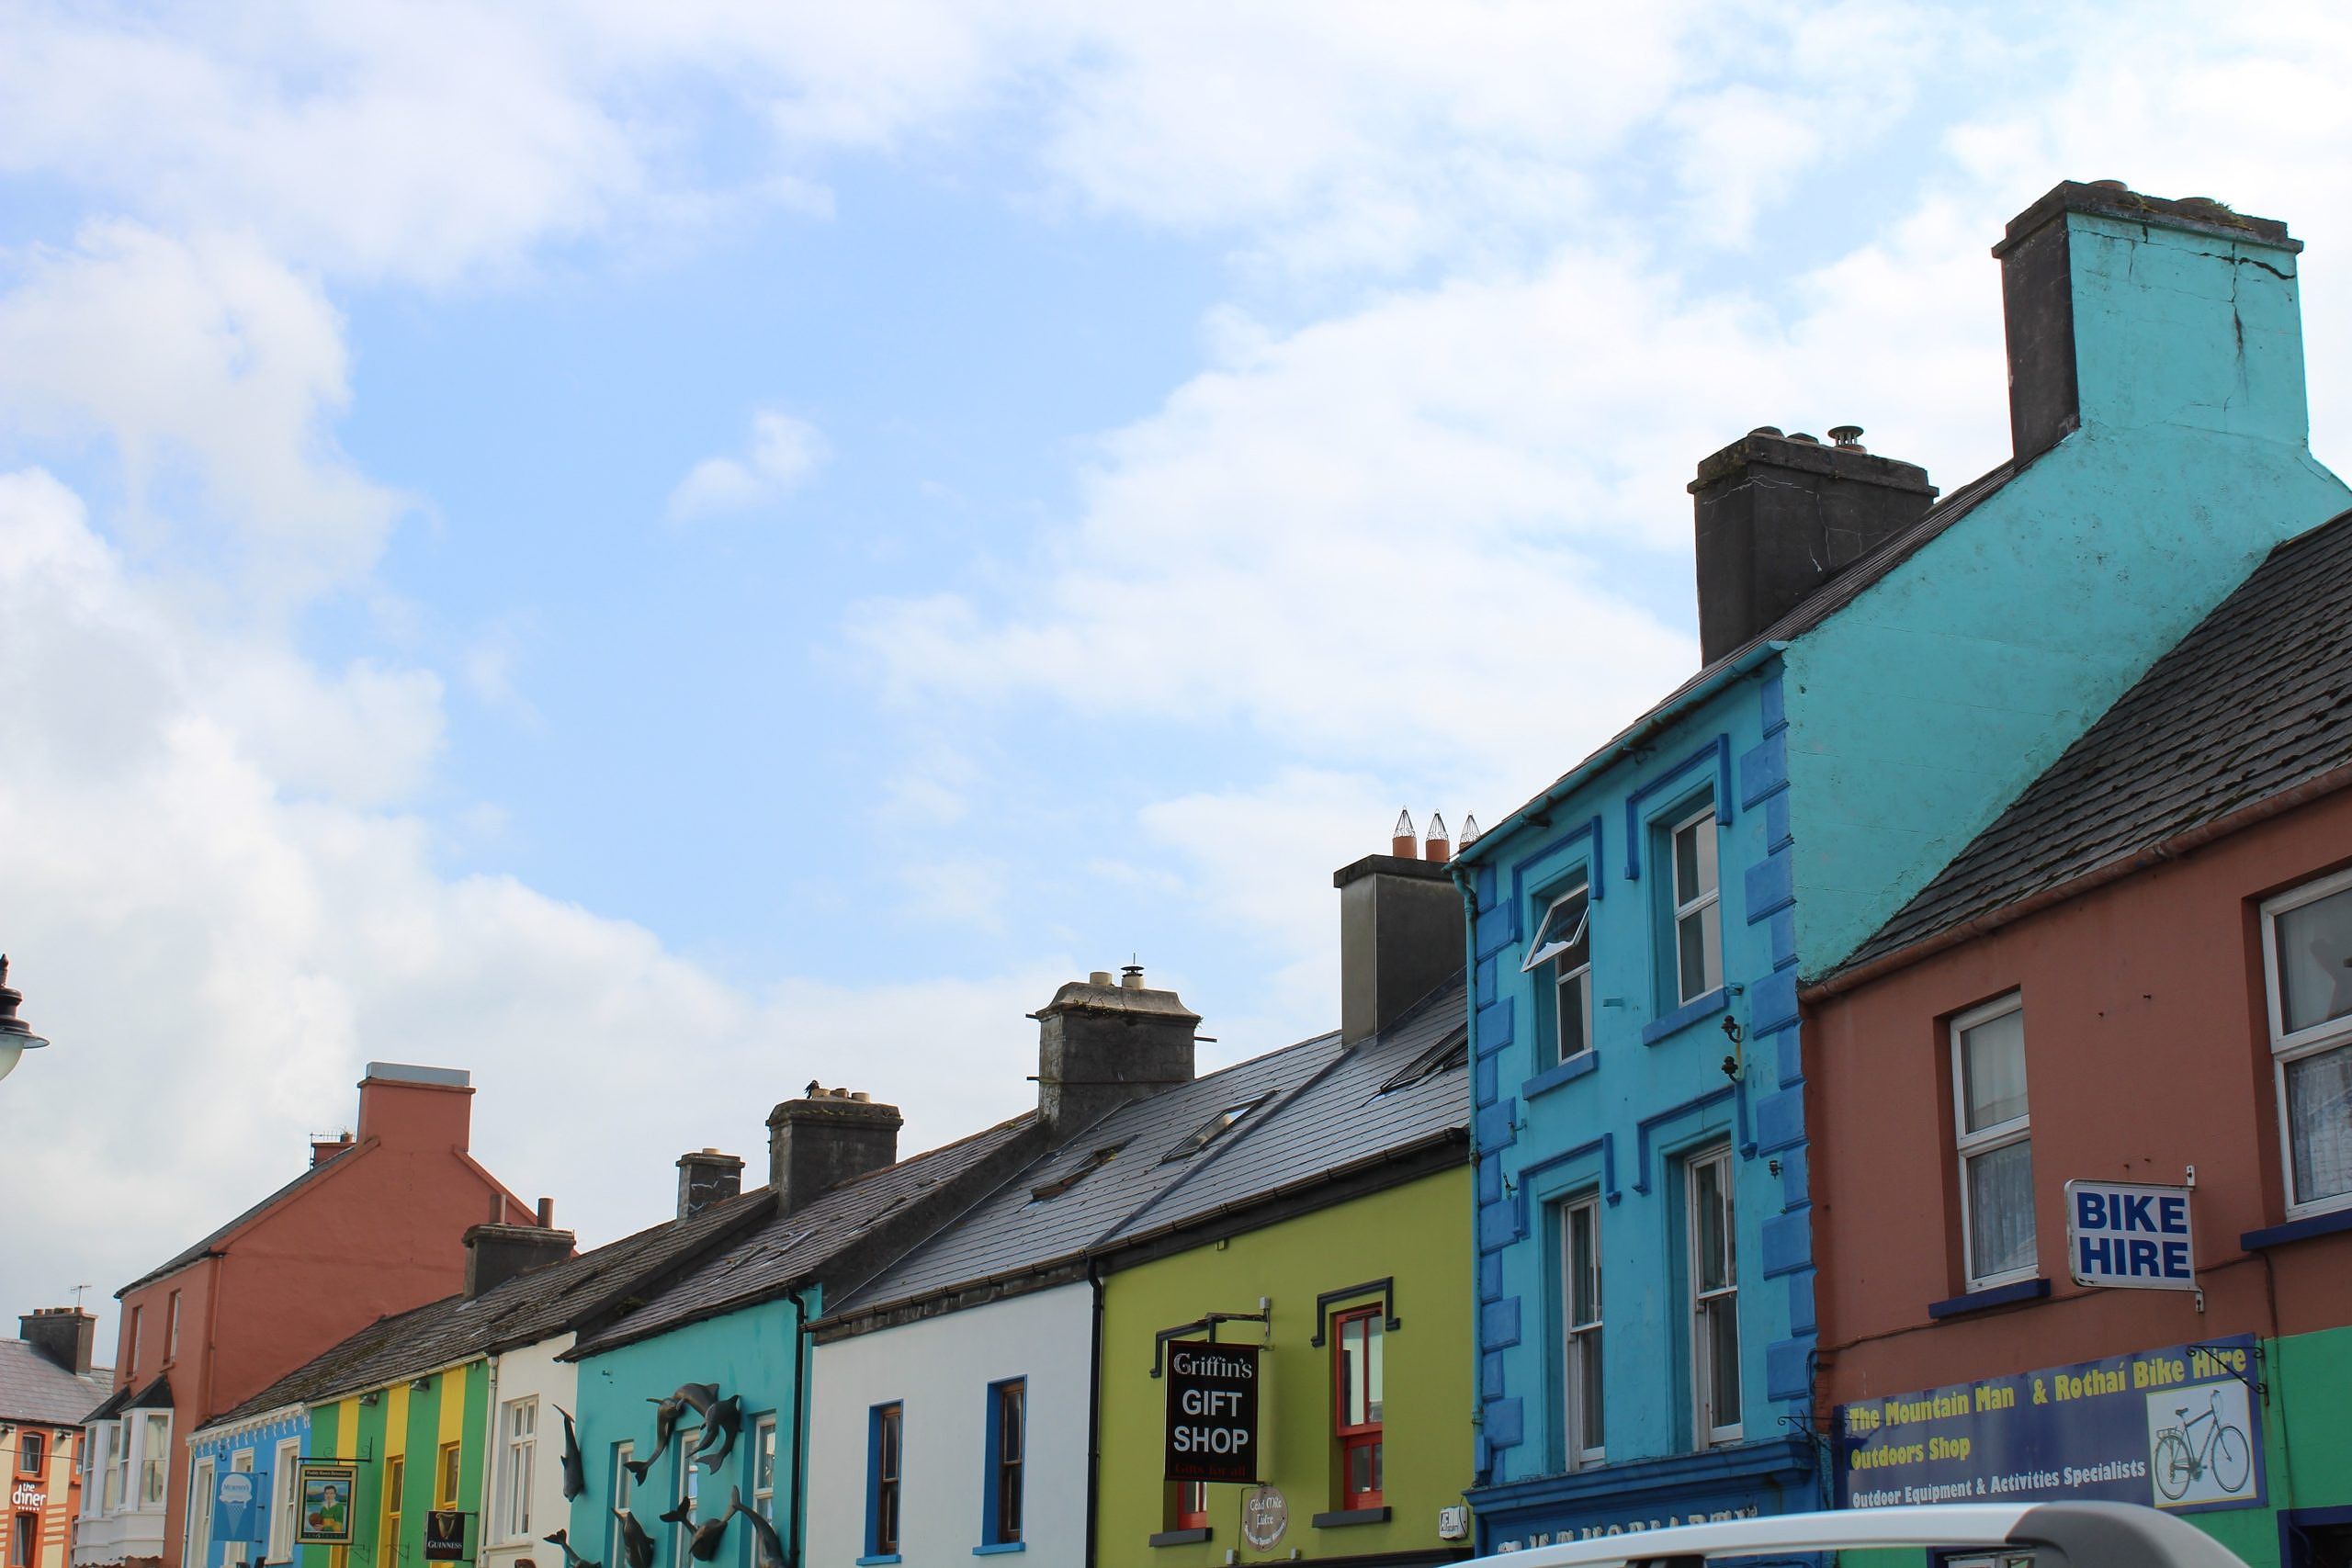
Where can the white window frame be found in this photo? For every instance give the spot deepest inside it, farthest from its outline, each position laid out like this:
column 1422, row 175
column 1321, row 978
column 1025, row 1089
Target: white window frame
column 2287, row 1049
column 240, row 1461
column 763, row 1448
column 624, row 1499
column 172, row 1329
column 286, row 1463
column 1553, row 953
column 1969, row 1146
column 148, row 1423
column 685, row 1482
column 113, row 1465
column 1574, row 1392
column 1705, row 905
column 1705, row 1303
column 196, row 1537
column 517, row 1456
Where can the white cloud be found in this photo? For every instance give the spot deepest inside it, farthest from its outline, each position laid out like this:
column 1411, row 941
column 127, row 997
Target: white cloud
column 183, row 918
column 784, row 453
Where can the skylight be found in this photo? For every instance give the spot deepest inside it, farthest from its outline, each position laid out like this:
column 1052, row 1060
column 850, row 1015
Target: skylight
column 1074, row 1175
column 1209, row 1130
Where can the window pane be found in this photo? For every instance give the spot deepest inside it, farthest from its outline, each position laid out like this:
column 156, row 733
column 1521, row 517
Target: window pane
column 1570, row 1017
column 2000, row 1209
column 1714, row 1225
column 1686, row 883
column 1584, row 1270
column 1372, row 1358
column 2319, row 1120
column 1588, row 1370
column 1723, row 1360
column 1698, row 944
column 2315, row 961
column 1993, row 1071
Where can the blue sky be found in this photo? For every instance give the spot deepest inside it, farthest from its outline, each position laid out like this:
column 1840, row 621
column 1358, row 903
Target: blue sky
column 664, row 552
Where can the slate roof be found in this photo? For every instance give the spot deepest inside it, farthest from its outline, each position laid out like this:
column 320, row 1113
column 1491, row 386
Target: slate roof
column 535, row 1304
column 1825, row 602
column 156, row 1396
column 2255, row 699
column 1317, row 1111
column 34, row 1388
column 790, row 1248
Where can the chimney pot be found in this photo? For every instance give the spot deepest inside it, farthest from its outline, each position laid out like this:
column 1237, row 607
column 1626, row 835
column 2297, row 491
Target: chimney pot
column 705, row 1177
column 824, row 1140
column 1438, row 844
column 1099, row 977
column 1402, row 840
column 1469, row 829
column 1848, row 437
column 546, row 1214
column 1131, row 978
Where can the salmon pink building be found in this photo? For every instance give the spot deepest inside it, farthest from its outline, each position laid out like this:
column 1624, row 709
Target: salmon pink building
column 372, row 1227
column 47, row 1385
column 2083, row 1113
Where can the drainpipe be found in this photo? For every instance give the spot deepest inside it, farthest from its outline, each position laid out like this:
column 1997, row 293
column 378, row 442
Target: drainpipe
column 1094, row 1410
column 1463, row 885
column 795, row 1543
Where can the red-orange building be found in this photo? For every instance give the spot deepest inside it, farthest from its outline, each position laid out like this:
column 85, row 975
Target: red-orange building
column 47, row 1385
column 372, row 1227
column 2139, row 974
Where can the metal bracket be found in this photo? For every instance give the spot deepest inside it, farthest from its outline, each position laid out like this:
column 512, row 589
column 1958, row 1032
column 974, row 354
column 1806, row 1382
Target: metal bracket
column 1330, row 1299
column 1159, row 1340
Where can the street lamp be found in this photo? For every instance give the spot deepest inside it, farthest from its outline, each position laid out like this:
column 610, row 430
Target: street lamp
column 16, row 1036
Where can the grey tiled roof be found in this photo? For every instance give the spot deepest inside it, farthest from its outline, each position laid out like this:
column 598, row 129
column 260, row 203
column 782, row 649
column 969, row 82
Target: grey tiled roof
column 34, row 1388
column 791, row 1249
column 1318, row 1110
column 156, row 1396
column 2255, row 699
column 1826, row 601
column 1399, row 1090
column 535, row 1304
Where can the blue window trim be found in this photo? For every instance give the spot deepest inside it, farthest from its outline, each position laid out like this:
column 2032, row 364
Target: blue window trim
column 2329, row 1224
column 870, row 1562
column 1550, row 1079
column 1587, row 831
column 1718, row 749
column 1605, row 1145
column 1689, row 1012
column 989, row 1517
column 874, row 1477
column 1644, row 1130
column 1999, row 1295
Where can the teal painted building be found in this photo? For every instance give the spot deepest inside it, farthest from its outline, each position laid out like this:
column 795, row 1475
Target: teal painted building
column 1885, row 670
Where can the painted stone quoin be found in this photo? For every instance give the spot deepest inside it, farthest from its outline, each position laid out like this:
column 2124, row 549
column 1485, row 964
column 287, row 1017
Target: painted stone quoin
column 1884, row 671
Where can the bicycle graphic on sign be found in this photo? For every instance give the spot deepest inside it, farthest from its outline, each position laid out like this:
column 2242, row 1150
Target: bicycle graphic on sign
column 2202, row 1457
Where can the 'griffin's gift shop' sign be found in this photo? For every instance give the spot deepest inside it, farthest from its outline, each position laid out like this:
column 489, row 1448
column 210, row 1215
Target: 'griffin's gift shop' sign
column 1212, row 1412
column 2173, row 1427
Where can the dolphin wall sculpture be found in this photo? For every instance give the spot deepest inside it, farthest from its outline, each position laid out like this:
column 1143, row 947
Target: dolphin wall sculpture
column 575, row 1474
column 637, row 1547
column 562, row 1540
column 771, row 1552
column 720, row 1425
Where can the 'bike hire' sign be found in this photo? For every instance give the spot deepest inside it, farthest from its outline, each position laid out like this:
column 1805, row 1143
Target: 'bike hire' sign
column 1212, row 1412
column 2175, row 1427
column 2130, row 1236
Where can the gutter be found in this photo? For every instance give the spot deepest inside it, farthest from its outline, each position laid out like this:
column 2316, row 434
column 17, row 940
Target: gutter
column 1094, row 1414
column 796, row 1546
column 2172, row 847
column 1705, row 684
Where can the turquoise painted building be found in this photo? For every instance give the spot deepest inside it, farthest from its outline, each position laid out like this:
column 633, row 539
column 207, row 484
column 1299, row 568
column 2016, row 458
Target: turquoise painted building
column 267, row 1445
column 1885, row 670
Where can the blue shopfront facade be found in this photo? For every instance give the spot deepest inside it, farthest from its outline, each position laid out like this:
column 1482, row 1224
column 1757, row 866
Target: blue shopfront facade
column 1646, row 1235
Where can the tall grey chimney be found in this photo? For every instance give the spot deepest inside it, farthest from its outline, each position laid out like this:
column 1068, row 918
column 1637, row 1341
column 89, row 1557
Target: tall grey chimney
column 1100, row 1045
column 1400, row 938
column 825, row 1138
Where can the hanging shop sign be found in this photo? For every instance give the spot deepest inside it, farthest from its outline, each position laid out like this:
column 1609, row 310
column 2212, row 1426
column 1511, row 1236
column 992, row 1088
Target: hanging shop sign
column 1212, row 1412
column 1265, row 1514
column 2176, row 1427
column 445, row 1536
column 2130, row 1236
column 237, row 1513
column 322, row 1514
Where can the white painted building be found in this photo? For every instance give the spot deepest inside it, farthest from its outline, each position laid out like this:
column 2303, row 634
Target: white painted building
column 522, row 1499
column 946, row 1378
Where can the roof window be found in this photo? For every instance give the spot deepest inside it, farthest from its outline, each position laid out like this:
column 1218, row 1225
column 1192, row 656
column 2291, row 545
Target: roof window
column 1075, row 1173
column 1209, row 1130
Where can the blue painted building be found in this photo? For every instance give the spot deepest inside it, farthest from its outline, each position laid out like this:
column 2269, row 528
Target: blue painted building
column 266, row 1445
column 1884, row 671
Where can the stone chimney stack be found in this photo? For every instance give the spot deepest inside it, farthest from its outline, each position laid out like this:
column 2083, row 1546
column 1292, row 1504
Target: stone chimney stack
column 1100, row 1045
column 824, row 1138
column 63, row 1334
column 1780, row 515
column 1400, row 938
column 496, row 1253
column 706, row 1176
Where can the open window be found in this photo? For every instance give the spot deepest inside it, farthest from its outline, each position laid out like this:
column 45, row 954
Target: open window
column 1560, row 954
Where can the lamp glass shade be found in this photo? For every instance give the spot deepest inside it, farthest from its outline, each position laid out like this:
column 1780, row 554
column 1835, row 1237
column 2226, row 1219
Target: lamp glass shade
column 13, row 1048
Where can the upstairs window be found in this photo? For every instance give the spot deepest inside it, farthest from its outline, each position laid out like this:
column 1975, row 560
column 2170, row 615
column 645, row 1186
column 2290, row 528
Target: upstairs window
column 388, row 1551
column 886, row 1433
column 1698, row 931
column 518, row 1428
column 1562, row 954
column 1007, row 1454
column 624, row 1496
column 118, row 1462
column 1357, row 1420
column 763, row 1467
column 1993, row 1137
column 285, row 1469
column 447, row 1475
column 1190, row 1509
column 172, row 1329
column 154, row 1457
column 33, row 1449
column 2307, row 961
column 138, row 1319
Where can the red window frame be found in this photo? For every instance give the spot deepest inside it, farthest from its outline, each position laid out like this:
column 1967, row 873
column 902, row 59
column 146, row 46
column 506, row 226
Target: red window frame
column 1358, row 1441
column 1191, row 1506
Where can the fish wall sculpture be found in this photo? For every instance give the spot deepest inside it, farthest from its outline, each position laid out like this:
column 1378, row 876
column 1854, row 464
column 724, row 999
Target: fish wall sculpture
column 562, row 1541
column 771, row 1552
column 720, row 1425
column 637, row 1547
column 575, row 1474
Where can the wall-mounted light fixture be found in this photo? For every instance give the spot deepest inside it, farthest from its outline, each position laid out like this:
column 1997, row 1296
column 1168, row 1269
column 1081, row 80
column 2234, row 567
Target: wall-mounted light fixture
column 16, row 1036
